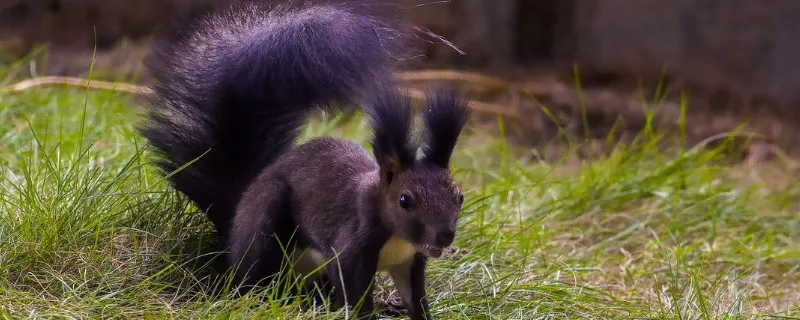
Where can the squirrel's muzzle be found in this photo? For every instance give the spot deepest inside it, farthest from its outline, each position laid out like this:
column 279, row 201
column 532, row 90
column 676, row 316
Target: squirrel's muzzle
column 444, row 238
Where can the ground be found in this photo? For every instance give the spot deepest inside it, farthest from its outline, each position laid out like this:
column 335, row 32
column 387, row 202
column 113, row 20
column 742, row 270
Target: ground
column 89, row 228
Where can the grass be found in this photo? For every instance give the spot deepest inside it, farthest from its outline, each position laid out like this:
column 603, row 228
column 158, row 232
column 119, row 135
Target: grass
column 88, row 229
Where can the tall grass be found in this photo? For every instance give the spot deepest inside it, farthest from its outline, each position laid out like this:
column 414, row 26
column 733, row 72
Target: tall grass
column 89, row 229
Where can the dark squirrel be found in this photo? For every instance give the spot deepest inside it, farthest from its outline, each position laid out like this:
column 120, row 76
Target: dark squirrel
column 233, row 87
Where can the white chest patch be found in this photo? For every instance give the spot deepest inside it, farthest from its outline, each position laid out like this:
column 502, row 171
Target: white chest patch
column 396, row 251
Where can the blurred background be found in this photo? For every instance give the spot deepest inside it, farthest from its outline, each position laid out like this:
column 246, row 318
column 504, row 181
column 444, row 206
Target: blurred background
column 729, row 62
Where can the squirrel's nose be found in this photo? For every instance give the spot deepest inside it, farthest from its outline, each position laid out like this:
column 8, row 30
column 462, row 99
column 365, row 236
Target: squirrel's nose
column 445, row 237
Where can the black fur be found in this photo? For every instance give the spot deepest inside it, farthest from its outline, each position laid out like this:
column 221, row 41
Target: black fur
column 418, row 294
column 234, row 86
column 446, row 114
column 390, row 117
column 232, row 90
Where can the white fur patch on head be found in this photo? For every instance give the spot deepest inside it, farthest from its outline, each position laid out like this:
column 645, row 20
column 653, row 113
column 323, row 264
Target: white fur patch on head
column 396, row 251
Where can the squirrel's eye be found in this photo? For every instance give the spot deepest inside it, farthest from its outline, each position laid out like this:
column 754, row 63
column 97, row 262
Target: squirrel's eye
column 460, row 198
column 405, row 201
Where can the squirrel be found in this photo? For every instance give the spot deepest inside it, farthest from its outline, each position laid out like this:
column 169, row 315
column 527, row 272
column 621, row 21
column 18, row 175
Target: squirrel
column 233, row 87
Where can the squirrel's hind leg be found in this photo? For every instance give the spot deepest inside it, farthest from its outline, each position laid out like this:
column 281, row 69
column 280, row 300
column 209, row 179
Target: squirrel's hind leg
column 256, row 240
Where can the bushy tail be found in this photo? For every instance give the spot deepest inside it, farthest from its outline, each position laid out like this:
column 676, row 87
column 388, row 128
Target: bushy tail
column 234, row 87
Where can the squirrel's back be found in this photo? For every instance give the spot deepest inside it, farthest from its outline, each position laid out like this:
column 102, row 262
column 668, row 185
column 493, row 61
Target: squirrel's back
column 233, row 87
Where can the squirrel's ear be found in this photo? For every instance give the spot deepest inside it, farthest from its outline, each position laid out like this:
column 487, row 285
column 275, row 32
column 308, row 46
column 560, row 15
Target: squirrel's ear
column 445, row 114
column 389, row 113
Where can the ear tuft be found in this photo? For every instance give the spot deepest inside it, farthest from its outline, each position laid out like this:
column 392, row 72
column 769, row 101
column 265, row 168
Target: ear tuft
column 446, row 113
column 389, row 113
